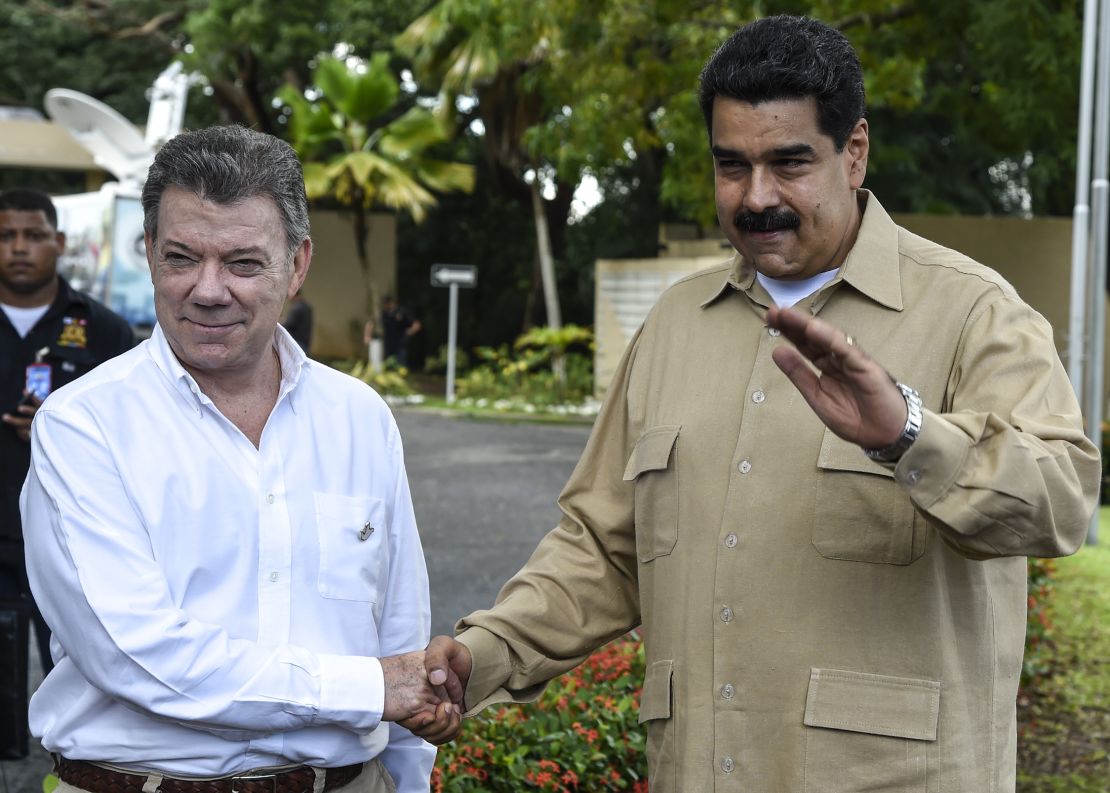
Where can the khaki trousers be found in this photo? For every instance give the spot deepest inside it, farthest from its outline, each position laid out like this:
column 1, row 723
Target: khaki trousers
column 373, row 779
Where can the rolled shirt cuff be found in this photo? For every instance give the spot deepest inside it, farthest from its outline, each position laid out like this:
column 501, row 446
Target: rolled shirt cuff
column 352, row 691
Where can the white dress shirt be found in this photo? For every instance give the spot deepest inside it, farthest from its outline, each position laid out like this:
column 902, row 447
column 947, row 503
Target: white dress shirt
column 218, row 607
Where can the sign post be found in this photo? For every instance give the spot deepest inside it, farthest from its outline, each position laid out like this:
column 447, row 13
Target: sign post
column 453, row 276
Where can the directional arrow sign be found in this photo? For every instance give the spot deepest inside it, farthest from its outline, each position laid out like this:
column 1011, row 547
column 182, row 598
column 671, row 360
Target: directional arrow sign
column 464, row 275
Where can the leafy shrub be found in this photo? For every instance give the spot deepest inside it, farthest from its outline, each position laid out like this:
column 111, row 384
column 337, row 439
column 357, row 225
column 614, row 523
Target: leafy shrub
column 1039, row 647
column 389, row 381
column 437, row 364
column 544, row 367
column 1104, row 484
column 582, row 734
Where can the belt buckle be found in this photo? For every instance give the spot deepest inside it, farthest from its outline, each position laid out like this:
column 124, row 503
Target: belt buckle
column 235, row 780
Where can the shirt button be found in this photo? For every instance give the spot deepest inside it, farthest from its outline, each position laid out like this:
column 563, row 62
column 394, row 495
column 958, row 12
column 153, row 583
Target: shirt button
column 727, row 691
column 774, row 332
column 745, row 466
column 758, row 397
column 730, row 541
column 728, row 765
column 270, row 498
column 273, row 577
column 913, row 476
column 726, row 614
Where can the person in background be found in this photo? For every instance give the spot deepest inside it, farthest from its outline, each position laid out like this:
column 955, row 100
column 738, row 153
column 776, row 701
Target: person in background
column 50, row 334
column 298, row 321
column 219, row 530
column 398, row 327
column 815, row 479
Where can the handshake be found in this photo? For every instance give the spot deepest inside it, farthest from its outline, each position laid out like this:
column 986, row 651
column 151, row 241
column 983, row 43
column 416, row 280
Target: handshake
column 424, row 689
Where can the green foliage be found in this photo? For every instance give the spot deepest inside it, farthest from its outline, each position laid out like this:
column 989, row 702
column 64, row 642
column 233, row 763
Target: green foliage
column 355, row 152
column 1064, row 718
column 527, row 374
column 553, row 342
column 387, row 381
column 437, row 364
column 248, row 49
column 57, row 45
column 1039, row 647
column 582, row 735
column 363, row 150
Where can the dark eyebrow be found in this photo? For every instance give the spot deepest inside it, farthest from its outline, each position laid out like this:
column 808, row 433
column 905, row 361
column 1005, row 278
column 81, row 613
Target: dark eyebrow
column 720, row 152
column 798, row 150
column 784, row 152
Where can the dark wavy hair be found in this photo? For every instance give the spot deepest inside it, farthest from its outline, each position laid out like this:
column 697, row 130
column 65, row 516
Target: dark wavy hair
column 787, row 57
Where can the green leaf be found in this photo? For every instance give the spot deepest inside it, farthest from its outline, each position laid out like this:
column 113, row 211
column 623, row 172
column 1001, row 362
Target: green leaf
column 374, row 92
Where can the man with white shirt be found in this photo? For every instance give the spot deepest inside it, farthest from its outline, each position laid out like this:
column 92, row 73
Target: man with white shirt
column 50, row 334
column 828, row 560
column 219, row 530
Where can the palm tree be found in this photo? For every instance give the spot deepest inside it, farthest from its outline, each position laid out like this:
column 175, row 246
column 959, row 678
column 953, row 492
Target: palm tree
column 463, row 47
column 359, row 151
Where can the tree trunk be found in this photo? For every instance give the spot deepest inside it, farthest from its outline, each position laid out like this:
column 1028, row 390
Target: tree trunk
column 362, row 248
column 547, row 258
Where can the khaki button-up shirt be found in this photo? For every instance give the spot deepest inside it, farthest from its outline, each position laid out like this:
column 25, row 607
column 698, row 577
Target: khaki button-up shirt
column 814, row 621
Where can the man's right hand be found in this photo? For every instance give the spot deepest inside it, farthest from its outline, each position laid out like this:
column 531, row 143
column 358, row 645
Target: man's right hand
column 448, row 664
column 407, row 690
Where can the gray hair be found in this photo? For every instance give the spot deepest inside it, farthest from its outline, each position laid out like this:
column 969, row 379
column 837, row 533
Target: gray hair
column 226, row 165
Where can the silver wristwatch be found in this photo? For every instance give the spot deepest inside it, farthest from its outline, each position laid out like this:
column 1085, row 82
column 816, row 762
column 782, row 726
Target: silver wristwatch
column 894, row 452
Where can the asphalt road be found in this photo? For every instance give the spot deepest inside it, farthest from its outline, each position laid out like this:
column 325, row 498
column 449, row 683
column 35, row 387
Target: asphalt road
column 484, row 494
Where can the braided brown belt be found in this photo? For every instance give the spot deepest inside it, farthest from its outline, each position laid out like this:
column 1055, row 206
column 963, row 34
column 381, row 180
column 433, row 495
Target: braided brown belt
column 97, row 779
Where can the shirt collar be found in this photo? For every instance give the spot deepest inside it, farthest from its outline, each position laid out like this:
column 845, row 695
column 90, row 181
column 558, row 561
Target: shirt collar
column 291, row 357
column 871, row 267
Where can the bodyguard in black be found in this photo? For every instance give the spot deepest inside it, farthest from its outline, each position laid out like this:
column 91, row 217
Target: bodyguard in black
column 50, row 334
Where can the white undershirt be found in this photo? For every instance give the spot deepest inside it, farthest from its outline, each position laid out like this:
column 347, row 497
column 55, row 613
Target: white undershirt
column 787, row 293
column 23, row 319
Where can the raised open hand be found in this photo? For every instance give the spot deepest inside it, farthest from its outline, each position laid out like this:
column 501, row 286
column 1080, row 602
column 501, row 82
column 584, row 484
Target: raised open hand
column 850, row 392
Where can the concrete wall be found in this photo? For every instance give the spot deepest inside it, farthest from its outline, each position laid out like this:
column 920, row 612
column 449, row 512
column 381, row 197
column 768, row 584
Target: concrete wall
column 335, row 286
column 1033, row 255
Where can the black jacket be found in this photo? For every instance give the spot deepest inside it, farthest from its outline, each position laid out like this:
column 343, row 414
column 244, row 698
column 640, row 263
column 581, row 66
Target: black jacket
column 80, row 334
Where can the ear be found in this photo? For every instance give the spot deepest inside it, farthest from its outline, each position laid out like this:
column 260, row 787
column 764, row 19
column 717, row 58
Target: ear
column 302, row 260
column 148, row 242
column 855, row 150
column 60, row 241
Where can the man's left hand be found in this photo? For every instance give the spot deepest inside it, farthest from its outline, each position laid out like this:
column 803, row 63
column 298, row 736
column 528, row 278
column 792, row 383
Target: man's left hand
column 852, row 394
column 436, row 727
column 20, row 420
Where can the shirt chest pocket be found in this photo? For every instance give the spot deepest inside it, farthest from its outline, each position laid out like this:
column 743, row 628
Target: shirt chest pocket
column 653, row 466
column 860, row 513
column 354, row 547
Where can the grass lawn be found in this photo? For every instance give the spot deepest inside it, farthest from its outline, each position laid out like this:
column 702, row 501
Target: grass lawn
column 1064, row 724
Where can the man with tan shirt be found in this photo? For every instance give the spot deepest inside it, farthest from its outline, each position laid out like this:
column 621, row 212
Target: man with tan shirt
column 820, row 514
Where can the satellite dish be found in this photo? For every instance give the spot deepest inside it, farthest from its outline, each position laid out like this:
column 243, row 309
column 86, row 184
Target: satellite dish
column 113, row 141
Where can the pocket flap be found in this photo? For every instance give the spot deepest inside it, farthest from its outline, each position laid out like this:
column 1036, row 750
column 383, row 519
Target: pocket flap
column 655, row 699
column 652, row 451
column 900, row 707
column 838, row 455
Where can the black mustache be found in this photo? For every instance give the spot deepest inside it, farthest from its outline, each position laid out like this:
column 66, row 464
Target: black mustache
column 771, row 220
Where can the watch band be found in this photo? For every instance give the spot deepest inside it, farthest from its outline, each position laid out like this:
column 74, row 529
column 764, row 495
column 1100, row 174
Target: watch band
column 894, row 452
